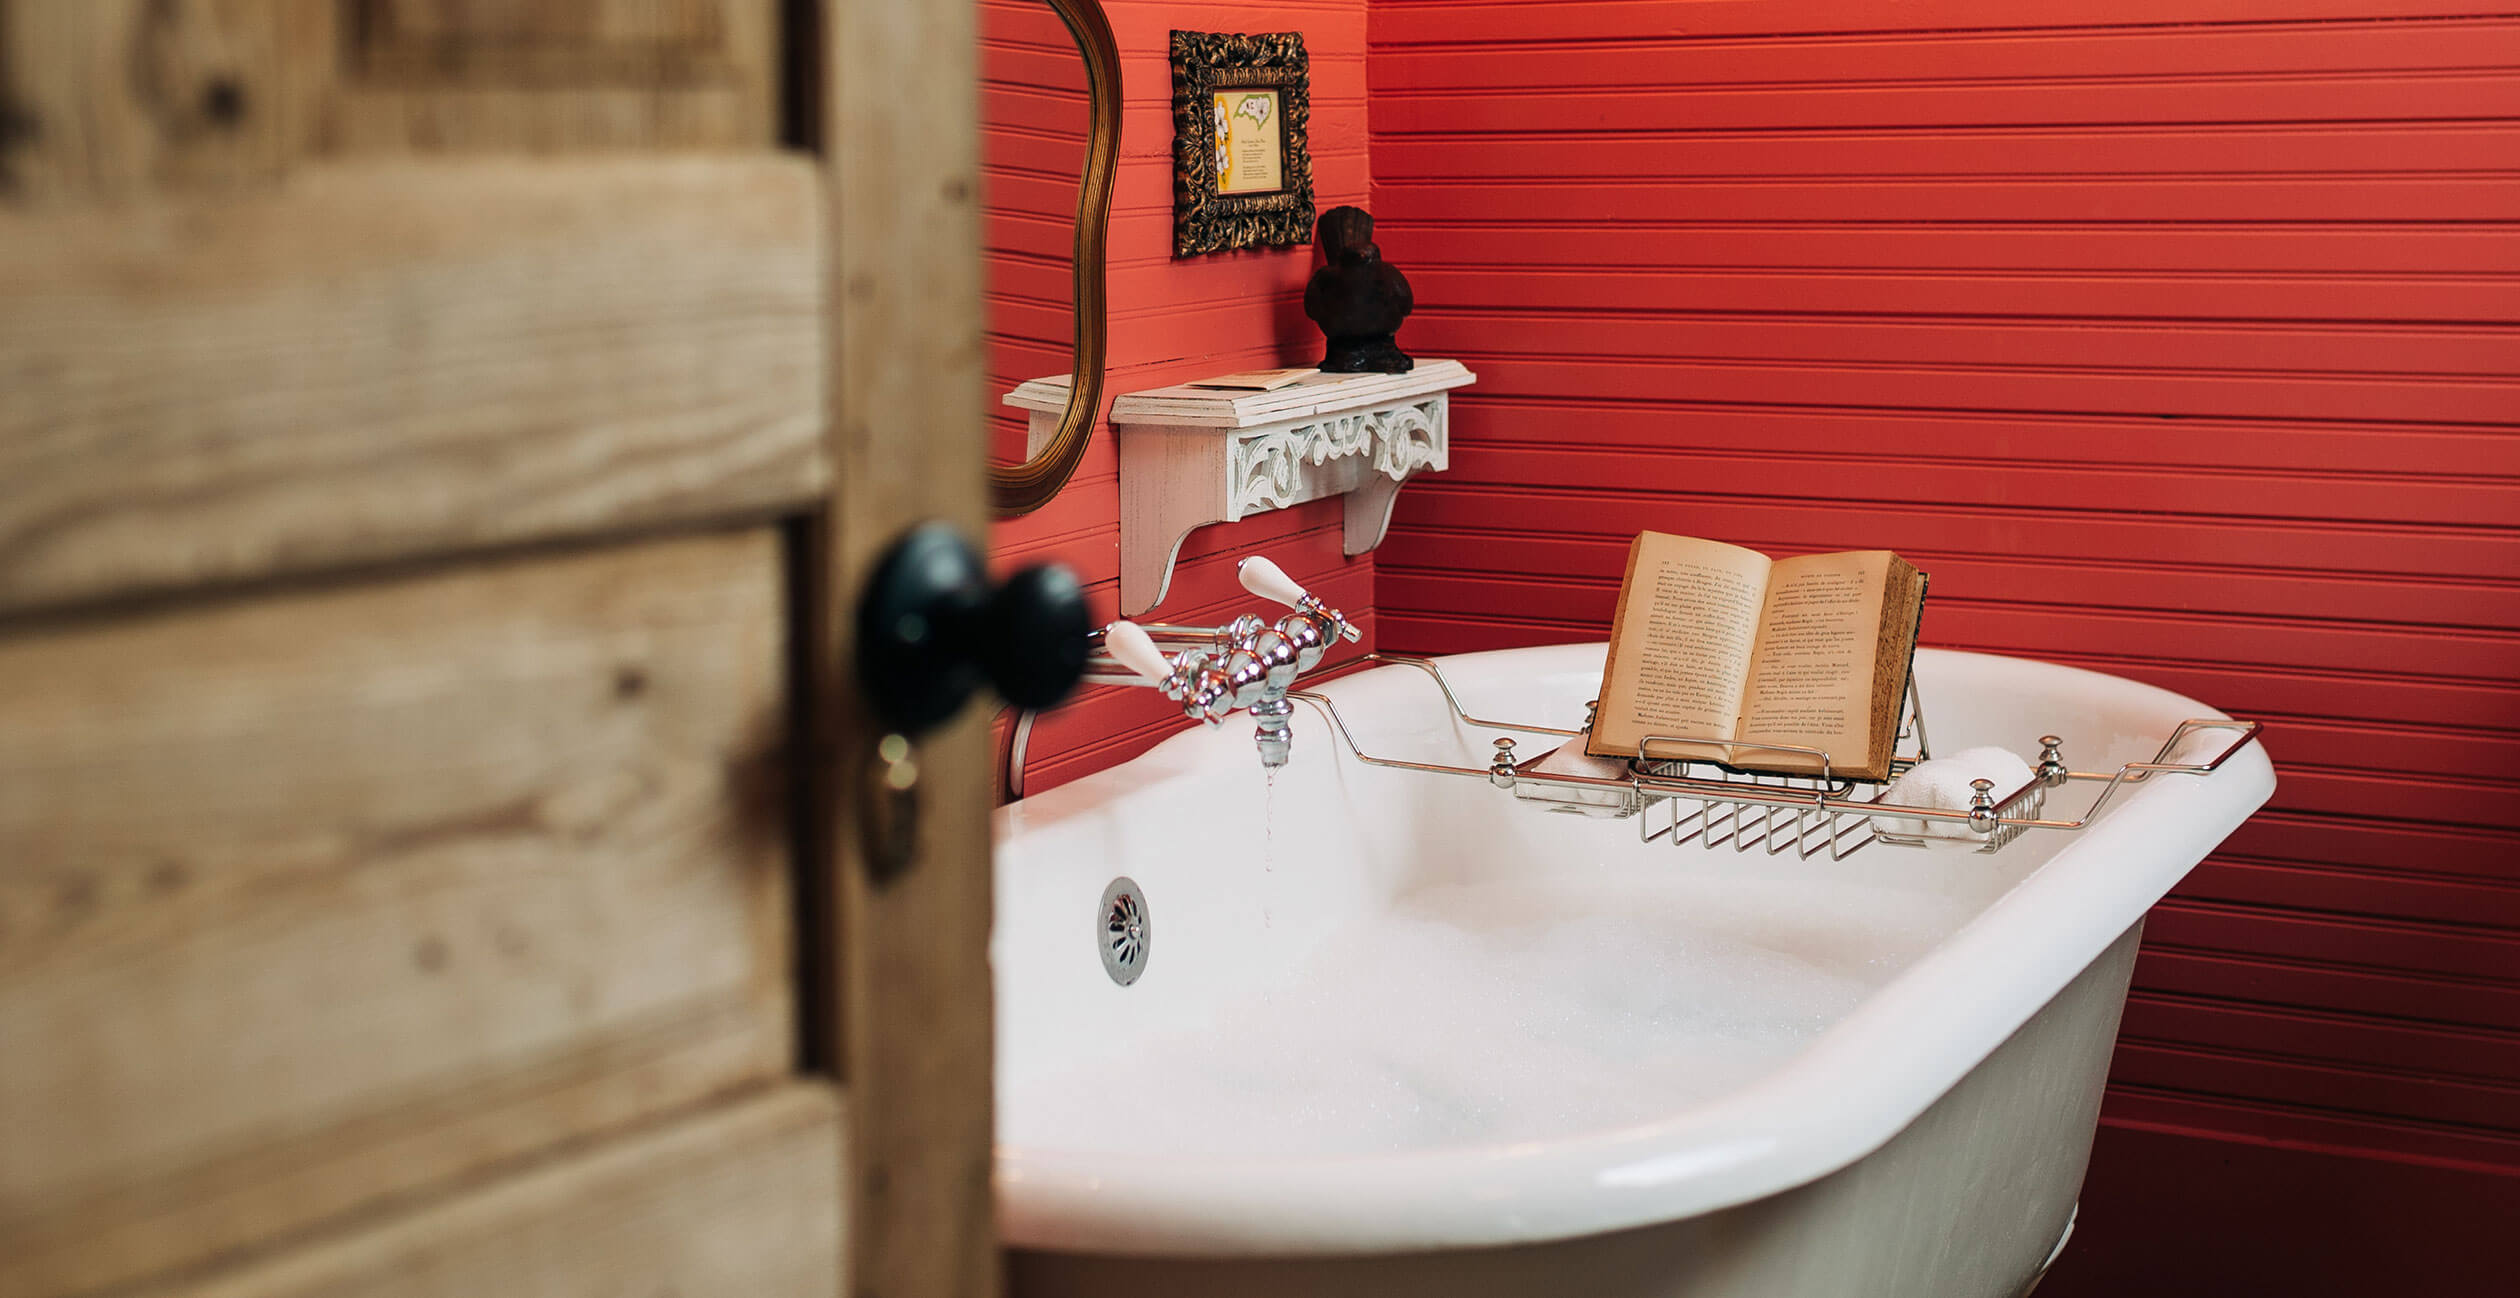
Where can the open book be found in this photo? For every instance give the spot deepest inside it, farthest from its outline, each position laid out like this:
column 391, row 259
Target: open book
column 1717, row 642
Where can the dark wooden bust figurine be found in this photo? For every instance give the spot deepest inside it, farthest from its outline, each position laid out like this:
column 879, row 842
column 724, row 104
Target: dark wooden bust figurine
column 1358, row 299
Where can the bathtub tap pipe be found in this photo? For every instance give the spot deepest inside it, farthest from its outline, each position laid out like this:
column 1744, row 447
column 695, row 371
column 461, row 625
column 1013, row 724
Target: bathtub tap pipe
column 1272, row 730
column 1010, row 769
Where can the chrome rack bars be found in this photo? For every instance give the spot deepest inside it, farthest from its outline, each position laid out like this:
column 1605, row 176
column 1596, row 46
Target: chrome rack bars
column 1745, row 810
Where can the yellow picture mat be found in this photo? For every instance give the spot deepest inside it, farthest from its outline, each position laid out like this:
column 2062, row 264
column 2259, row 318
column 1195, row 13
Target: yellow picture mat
column 1250, row 154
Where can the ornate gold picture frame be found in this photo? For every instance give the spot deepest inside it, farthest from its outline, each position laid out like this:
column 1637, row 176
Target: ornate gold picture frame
column 1242, row 159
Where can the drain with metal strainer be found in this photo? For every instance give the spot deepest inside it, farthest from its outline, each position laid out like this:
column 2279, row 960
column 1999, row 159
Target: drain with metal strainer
column 1125, row 931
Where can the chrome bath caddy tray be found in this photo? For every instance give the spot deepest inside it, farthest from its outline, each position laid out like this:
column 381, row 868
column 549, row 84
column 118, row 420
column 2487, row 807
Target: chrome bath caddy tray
column 1683, row 801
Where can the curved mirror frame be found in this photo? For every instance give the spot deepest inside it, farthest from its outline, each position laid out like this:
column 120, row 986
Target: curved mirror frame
column 1028, row 486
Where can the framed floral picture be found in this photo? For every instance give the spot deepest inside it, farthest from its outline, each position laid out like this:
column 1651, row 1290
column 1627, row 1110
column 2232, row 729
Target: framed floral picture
column 1242, row 166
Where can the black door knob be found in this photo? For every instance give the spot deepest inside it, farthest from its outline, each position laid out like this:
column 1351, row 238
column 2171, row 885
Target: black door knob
column 931, row 630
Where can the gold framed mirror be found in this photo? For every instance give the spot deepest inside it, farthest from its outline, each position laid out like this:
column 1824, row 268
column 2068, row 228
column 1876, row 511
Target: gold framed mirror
column 1049, row 123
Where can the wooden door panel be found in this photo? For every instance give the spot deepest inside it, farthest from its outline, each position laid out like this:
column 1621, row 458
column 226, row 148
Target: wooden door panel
column 559, row 74
column 317, row 900
column 910, row 351
column 554, row 44
column 362, row 363
column 741, row 1201
column 121, row 98
column 116, row 98
column 327, row 904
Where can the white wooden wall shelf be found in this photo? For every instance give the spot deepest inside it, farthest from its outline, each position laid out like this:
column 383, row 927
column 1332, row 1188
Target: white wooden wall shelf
column 1045, row 400
column 1191, row 456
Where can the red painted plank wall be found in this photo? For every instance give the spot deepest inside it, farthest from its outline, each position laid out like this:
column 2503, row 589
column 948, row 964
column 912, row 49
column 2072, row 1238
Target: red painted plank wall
column 2176, row 340
column 1170, row 321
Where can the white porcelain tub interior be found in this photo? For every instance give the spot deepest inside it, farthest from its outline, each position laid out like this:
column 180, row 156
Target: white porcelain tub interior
column 1385, row 1011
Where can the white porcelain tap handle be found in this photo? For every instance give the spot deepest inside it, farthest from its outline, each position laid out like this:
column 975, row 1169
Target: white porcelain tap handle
column 1269, row 581
column 1135, row 650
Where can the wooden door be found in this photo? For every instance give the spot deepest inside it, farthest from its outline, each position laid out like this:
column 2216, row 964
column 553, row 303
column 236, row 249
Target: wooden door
column 439, row 443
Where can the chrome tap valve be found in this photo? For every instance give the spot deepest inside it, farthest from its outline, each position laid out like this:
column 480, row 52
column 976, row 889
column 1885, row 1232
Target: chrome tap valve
column 1248, row 663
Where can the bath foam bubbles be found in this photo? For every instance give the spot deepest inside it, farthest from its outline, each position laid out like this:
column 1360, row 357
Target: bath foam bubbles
column 1495, row 1012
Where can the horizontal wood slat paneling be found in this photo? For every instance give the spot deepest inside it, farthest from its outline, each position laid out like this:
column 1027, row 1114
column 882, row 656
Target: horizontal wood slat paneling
column 2393, row 565
column 2069, row 242
column 2259, row 979
column 2360, row 941
column 1881, row 473
column 1914, row 292
column 2030, row 102
column 2372, row 645
column 2413, row 852
column 2030, row 389
column 479, row 862
column 2008, row 58
column 1657, row 23
column 2164, row 585
column 2462, row 1054
column 2334, row 1088
column 1891, row 338
column 2381, row 1141
column 2027, row 532
column 369, row 362
column 2174, row 1208
column 2396, row 894
column 1604, row 204
column 2250, row 386
column 2175, row 340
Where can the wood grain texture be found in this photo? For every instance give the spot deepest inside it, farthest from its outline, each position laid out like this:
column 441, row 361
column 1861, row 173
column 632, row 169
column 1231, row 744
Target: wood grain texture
column 429, row 76
column 369, row 362
column 128, row 98
column 120, row 98
column 2174, row 340
column 913, row 1034
column 311, row 902
column 743, row 1199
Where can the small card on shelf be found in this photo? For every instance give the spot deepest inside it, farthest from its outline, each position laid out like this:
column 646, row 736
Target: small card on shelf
column 1257, row 380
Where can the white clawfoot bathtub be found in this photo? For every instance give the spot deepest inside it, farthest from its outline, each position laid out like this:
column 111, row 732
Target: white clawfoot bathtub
column 1401, row 1034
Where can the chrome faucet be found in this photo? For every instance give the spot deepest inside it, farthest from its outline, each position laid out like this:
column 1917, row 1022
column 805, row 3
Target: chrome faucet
column 1248, row 663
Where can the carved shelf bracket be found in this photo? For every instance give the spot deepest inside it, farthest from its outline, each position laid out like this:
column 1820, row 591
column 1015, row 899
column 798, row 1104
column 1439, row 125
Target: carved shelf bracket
column 1192, row 456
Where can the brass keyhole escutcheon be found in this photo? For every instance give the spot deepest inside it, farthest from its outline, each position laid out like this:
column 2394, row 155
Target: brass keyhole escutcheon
column 888, row 809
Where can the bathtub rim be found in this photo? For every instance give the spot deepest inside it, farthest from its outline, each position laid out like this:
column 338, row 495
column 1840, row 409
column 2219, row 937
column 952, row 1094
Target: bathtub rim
column 1907, row 1044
